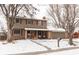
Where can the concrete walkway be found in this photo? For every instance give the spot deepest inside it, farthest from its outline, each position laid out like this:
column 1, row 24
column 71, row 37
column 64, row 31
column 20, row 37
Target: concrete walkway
column 41, row 45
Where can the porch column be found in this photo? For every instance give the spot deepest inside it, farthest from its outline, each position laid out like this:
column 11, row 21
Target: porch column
column 49, row 35
column 36, row 34
column 26, row 34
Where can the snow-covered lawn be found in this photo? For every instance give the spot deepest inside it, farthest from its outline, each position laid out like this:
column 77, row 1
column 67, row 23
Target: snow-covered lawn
column 26, row 46
column 20, row 46
column 53, row 43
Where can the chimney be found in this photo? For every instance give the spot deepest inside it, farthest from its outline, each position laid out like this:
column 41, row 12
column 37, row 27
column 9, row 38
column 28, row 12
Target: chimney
column 44, row 17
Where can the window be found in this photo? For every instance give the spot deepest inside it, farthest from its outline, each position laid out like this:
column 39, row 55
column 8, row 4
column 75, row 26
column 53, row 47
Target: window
column 30, row 22
column 34, row 22
column 39, row 33
column 39, row 22
column 28, row 31
column 43, row 22
column 26, row 21
column 17, row 31
column 17, row 20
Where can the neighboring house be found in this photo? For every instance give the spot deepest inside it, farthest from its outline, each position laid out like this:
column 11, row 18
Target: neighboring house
column 25, row 28
column 76, row 35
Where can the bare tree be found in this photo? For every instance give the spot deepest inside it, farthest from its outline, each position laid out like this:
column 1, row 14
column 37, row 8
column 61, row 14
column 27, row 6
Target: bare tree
column 65, row 16
column 30, row 10
column 10, row 12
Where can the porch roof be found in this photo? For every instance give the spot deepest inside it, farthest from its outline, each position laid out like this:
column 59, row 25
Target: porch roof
column 25, row 18
column 36, row 29
column 53, row 30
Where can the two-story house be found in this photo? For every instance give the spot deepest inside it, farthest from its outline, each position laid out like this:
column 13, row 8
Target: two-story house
column 25, row 28
column 29, row 28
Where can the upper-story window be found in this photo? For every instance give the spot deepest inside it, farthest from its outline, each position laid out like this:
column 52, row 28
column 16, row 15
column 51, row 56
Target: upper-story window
column 29, row 21
column 17, row 31
column 39, row 23
column 17, row 20
column 35, row 22
column 43, row 22
column 26, row 21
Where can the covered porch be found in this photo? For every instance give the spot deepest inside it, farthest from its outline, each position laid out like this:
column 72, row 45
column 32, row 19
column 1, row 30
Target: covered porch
column 31, row 33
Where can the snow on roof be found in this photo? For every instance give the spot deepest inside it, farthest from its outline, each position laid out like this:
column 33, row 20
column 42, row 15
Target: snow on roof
column 57, row 29
column 77, row 29
column 36, row 29
column 53, row 30
column 29, row 18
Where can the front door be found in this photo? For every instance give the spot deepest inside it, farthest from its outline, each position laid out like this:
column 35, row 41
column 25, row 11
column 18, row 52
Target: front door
column 31, row 34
